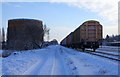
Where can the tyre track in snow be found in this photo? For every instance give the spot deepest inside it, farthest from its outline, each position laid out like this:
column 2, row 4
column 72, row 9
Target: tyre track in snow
column 58, row 65
column 33, row 70
column 49, row 64
column 43, row 66
column 53, row 65
column 56, row 62
column 47, row 67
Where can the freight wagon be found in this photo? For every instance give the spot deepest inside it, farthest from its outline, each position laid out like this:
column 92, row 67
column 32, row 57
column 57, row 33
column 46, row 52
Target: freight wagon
column 24, row 34
column 87, row 35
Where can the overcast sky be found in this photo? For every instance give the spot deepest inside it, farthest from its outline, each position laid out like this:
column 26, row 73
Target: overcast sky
column 63, row 17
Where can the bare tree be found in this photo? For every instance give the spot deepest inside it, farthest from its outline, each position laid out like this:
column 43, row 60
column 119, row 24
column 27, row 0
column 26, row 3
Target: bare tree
column 46, row 32
column 3, row 34
column 3, row 38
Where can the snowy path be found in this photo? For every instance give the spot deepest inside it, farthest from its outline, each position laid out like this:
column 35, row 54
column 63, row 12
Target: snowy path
column 57, row 60
column 34, row 69
column 50, row 64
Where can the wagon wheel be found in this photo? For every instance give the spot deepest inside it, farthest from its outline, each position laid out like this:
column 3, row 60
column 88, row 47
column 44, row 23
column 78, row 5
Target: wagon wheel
column 94, row 49
column 83, row 49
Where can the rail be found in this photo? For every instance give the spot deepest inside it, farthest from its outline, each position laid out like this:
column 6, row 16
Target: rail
column 102, row 55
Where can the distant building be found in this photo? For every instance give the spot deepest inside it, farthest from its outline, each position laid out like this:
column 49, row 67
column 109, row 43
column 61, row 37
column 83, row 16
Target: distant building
column 54, row 42
column 24, row 34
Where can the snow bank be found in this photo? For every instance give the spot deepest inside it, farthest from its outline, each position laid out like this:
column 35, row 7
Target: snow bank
column 18, row 62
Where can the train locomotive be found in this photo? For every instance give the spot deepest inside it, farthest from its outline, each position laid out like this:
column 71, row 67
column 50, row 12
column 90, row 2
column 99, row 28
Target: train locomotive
column 87, row 35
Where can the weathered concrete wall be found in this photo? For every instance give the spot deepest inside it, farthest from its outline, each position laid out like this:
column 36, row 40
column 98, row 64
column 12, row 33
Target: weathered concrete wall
column 24, row 34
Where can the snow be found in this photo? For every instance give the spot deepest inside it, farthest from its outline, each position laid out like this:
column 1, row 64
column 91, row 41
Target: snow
column 111, row 54
column 0, row 51
column 1, row 62
column 94, row 65
column 57, row 60
column 109, row 48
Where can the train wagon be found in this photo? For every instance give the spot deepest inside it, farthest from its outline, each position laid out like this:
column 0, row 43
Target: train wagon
column 63, row 42
column 69, row 39
column 87, row 35
column 24, row 34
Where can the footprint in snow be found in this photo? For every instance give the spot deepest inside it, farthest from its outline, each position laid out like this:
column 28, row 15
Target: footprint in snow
column 102, row 71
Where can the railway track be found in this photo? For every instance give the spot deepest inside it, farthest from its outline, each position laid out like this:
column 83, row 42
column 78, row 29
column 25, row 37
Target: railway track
column 116, row 55
column 104, row 55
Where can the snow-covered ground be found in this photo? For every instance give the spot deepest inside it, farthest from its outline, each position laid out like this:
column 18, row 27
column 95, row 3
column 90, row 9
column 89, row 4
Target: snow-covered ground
column 109, row 48
column 0, row 63
column 57, row 60
column 108, row 51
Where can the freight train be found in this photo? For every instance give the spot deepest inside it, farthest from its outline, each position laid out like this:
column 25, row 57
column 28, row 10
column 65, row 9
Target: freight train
column 87, row 35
